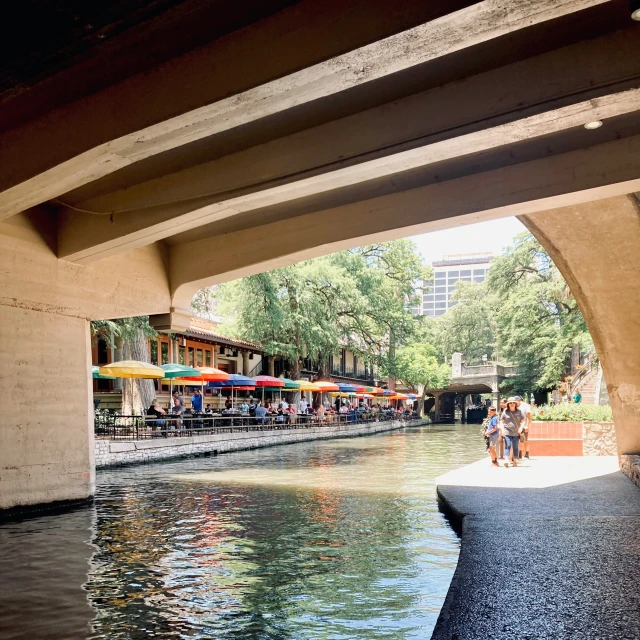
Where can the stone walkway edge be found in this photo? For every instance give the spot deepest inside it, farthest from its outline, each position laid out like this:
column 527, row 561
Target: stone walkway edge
column 549, row 550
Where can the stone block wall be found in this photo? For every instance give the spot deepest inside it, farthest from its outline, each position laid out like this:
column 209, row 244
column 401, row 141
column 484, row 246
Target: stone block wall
column 599, row 439
column 630, row 466
column 110, row 453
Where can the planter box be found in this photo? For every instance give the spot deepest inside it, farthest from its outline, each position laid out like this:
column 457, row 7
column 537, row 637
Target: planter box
column 572, row 439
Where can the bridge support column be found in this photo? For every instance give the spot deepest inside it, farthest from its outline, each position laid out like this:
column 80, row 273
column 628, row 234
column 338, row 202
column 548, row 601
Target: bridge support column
column 436, row 405
column 46, row 428
column 596, row 246
column 495, row 398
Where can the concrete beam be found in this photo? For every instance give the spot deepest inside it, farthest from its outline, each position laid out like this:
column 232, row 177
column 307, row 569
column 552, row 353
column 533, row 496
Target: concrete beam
column 596, row 247
column 524, row 188
column 27, row 186
column 528, row 99
column 32, row 277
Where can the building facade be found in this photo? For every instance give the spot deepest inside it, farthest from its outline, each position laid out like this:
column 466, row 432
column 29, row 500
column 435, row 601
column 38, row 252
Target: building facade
column 435, row 296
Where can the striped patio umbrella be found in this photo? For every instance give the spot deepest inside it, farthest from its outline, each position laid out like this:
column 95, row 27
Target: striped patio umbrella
column 326, row 386
column 309, row 386
column 131, row 369
column 268, row 382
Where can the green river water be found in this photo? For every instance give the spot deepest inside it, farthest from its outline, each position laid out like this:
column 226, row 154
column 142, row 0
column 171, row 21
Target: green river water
column 325, row 540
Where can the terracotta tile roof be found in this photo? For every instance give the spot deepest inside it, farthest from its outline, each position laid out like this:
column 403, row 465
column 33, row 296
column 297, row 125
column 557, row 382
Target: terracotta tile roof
column 207, row 333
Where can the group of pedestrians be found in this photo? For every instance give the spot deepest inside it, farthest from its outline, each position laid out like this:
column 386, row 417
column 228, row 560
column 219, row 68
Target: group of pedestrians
column 507, row 432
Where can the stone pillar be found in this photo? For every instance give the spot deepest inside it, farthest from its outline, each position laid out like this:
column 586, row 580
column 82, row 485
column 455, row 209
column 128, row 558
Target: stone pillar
column 47, row 451
column 272, row 366
column 596, row 246
column 246, row 366
column 456, row 365
column 495, row 399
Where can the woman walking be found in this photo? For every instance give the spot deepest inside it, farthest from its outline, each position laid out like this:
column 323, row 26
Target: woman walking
column 510, row 420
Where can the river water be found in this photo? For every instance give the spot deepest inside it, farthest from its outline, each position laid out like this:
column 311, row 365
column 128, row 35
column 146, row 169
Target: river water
column 326, row 540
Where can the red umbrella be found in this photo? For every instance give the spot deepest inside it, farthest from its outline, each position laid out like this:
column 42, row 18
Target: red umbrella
column 268, row 381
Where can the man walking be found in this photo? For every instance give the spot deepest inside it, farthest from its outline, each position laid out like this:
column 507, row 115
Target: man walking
column 196, row 401
column 525, row 410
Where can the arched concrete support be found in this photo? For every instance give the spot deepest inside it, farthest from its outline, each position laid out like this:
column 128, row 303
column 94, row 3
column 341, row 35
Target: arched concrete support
column 596, row 246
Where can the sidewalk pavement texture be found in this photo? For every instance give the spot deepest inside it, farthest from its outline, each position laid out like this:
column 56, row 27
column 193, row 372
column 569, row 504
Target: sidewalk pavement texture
column 550, row 549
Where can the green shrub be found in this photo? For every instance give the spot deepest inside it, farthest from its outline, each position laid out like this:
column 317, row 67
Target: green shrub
column 572, row 413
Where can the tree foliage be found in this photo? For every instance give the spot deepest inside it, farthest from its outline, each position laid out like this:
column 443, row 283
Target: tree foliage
column 523, row 314
column 357, row 299
column 539, row 320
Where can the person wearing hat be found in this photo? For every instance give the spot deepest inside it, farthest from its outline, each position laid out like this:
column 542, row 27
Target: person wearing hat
column 493, row 433
column 525, row 410
column 511, row 419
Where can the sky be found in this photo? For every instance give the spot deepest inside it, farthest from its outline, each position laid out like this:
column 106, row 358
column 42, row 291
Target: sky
column 491, row 236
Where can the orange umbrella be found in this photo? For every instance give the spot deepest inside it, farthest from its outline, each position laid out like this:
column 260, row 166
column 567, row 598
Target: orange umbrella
column 325, row 385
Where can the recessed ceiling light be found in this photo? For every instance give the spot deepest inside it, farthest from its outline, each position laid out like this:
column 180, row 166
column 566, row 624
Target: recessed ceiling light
column 596, row 124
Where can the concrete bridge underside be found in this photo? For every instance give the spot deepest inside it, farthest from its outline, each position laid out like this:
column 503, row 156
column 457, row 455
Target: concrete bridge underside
column 159, row 152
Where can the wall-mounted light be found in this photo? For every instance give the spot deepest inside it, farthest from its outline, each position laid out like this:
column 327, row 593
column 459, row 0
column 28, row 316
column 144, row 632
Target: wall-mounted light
column 594, row 124
column 635, row 10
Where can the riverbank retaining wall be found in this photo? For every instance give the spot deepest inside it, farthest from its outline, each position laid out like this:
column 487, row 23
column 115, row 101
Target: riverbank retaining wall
column 111, row 453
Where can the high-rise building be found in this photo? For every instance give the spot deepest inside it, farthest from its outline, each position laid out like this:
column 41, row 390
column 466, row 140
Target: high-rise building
column 436, row 294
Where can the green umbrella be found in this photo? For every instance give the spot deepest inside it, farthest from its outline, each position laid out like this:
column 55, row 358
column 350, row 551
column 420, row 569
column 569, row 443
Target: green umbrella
column 179, row 371
column 95, row 372
column 289, row 385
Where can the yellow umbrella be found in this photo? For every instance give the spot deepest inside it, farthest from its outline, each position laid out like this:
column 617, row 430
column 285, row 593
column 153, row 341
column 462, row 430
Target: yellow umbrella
column 308, row 386
column 131, row 369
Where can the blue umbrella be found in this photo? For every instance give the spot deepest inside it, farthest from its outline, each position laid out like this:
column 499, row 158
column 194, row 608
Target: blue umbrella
column 235, row 380
column 346, row 388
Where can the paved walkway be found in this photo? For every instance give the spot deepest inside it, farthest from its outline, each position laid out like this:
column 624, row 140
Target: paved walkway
column 550, row 549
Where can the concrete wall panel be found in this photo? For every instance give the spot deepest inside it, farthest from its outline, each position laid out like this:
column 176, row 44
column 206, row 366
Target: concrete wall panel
column 46, row 431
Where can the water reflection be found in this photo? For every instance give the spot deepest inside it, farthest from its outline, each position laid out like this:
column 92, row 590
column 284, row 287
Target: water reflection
column 325, row 540
column 45, row 563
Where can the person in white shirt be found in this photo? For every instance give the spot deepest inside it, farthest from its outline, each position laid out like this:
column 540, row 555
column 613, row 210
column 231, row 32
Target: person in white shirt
column 303, row 405
column 525, row 410
column 284, row 404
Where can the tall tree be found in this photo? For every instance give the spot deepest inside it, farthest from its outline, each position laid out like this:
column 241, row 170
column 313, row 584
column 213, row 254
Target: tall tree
column 356, row 298
column 417, row 366
column 538, row 319
column 469, row 327
column 135, row 333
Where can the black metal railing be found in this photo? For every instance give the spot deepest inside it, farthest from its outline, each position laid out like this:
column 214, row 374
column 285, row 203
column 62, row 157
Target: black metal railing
column 118, row 427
